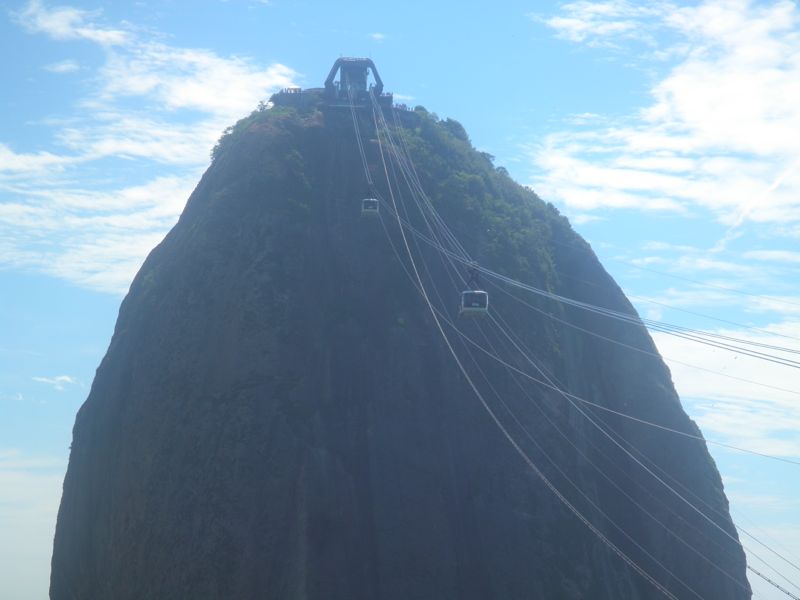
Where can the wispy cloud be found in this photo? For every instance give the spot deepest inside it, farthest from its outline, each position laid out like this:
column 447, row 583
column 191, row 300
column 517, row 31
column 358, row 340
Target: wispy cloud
column 27, row 164
column 785, row 256
column 189, row 78
column 64, row 66
column 378, row 37
column 718, row 132
column 95, row 238
column 748, row 283
column 603, row 23
column 58, row 382
column 68, row 23
column 583, row 219
column 787, row 305
column 156, row 106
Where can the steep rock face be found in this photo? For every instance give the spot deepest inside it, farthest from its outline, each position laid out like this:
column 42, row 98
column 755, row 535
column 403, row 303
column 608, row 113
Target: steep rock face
column 278, row 417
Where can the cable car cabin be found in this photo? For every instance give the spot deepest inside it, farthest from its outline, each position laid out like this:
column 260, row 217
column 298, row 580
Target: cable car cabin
column 369, row 207
column 474, row 303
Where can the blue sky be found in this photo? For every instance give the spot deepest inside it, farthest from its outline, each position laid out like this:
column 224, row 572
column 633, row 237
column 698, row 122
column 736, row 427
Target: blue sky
column 667, row 132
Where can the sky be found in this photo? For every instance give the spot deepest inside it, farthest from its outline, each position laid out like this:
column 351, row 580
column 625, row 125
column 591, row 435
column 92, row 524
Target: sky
column 666, row 131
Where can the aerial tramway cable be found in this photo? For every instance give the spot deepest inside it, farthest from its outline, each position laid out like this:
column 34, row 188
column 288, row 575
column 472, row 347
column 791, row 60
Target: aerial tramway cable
column 669, row 531
column 654, row 355
column 359, row 141
column 699, row 336
column 577, row 488
column 451, row 325
column 416, row 183
column 468, row 260
column 402, row 225
column 636, row 348
column 681, row 332
column 558, row 429
column 709, row 338
column 689, row 503
column 666, row 305
column 437, row 246
column 499, row 423
column 462, row 342
column 526, row 353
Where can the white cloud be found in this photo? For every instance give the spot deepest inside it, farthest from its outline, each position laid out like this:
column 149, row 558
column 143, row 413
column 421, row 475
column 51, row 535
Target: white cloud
column 654, row 314
column 583, row 219
column 751, row 282
column 691, row 297
column 702, row 263
column 97, row 239
column 27, row 164
column 68, row 23
column 378, row 37
column 787, row 305
column 585, row 118
column 58, row 382
column 154, row 108
column 719, row 132
column 601, row 23
column 648, row 260
column 117, row 133
column 188, row 78
column 774, row 255
column 657, row 245
column 64, row 66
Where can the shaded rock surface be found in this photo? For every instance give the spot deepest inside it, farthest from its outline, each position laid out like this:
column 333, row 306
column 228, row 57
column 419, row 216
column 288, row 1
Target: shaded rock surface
column 277, row 416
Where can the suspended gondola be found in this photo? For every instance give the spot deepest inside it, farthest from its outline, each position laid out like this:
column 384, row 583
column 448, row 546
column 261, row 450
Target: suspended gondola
column 474, row 301
column 370, row 207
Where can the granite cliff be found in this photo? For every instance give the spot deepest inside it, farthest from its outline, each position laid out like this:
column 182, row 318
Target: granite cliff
column 278, row 417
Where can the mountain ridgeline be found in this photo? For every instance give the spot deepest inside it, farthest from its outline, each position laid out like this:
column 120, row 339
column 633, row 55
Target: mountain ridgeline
column 278, row 415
